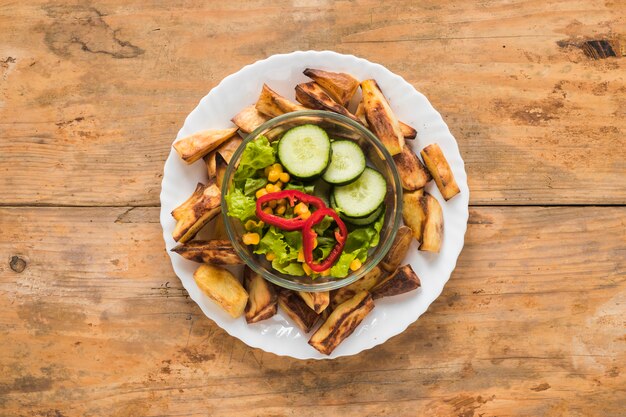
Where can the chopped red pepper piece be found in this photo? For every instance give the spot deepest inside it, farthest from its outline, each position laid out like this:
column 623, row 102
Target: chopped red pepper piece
column 309, row 235
column 292, row 195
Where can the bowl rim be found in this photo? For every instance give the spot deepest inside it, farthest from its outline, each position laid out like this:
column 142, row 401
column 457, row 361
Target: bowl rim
column 350, row 278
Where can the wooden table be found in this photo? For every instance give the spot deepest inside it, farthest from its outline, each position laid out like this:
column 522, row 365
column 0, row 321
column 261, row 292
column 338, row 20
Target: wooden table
column 93, row 322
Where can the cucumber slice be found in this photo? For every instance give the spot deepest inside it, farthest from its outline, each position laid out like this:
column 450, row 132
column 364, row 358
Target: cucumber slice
column 304, row 151
column 363, row 221
column 362, row 197
column 346, row 163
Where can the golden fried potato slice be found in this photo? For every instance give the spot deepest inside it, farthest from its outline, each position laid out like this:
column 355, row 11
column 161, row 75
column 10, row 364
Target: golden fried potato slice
column 194, row 147
column 262, row 297
column 216, row 252
column 380, row 118
column 222, row 287
column 226, row 149
column 401, row 281
column 407, row 131
column 363, row 284
column 317, row 301
column 297, row 310
column 220, row 169
column 398, row 250
column 432, row 236
column 342, row 322
column 249, row 119
column 340, row 86
column 193, row 214
column 272, row 104
column 440, row 170
column 413, row 212
column 412, row 173
column 312, row 96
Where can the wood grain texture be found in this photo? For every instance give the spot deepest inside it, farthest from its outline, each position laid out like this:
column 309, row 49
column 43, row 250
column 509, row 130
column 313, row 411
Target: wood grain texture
column 531, row 323
column 92, row 94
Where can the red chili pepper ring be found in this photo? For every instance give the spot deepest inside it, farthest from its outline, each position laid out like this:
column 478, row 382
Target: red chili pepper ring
column 309, row 235
column 286, row 224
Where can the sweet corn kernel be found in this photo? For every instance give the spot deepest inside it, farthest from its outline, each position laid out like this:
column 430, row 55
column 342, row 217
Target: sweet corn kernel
column 300, row 255
column 272, row 204
column 270, row 256
column 305, row 215
column 325, row 272
column 251, row 225
column 278, row 167
column 271, row 188
column 273, row 176
column 251, row 238
column 278, row 185
column 355, row 264
column 282, row 202
column 300, row 208
column 261, row 193
column 284, row 177
column 266, row 171
column 281, row 210
column 268, row 210
column 307, row 269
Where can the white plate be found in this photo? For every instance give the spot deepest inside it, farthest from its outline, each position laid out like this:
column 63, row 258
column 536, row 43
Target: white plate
column 391, row 316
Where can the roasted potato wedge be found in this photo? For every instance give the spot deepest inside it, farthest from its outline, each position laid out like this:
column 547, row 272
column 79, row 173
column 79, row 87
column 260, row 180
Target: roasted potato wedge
column 407, row 131
column 312, row 96
column 412, row 173
column 364, row 284
column 432, row 235
column 216, row 252
column 342, row 322
column 317, row 301
column 380, row 118
column 440, row 170
column 220, row 169
column 413, row 212
column 401, row 281
column 226, row 149
column 398, row 250
column 222, row 287
column 272, row 104
column 340, row 86
column 249, row 119
column 262, row 297
column 202, row 206
column 194, row 147
column 297, row 310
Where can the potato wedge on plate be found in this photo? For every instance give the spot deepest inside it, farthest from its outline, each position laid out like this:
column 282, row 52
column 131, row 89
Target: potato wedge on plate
column 398, row 250
column 216, row 252
column 342, row 322
column 226, row 149
column 364, row 284
column 412, row 173
column 340, row 86
column 317, row 301
column 249, row 119
column 403, row 280
column 407, row 131
column 432, row 234
column 440, row 170
column 262, row 297
column 312, row 96
column 297, row 310
column 193, row 214
column 272, row 104
column 413, row 212
column 380, row 118
column 220, row 169
column 194, row 147
column 223, row 288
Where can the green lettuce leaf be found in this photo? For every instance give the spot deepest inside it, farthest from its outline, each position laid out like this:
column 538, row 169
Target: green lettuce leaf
column 253, row 184
column 308, row 189
column 240, row 205
column 289, row 268
column 257, row 155
column 284, row 245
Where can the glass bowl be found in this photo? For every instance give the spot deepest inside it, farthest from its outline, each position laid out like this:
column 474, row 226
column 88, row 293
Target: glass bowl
column 337, row 126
